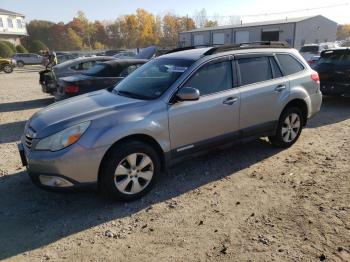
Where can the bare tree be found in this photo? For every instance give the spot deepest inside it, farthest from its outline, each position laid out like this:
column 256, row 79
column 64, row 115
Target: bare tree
column 200, row 17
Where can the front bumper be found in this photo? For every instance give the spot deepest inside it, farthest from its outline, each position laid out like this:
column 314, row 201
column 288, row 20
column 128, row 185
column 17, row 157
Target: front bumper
column 337, row 89
column 72, row 167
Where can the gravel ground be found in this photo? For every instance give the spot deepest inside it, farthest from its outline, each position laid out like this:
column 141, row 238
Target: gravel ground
column 250, row 202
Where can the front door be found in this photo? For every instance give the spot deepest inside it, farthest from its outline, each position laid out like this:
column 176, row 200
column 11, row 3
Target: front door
column 197, row 124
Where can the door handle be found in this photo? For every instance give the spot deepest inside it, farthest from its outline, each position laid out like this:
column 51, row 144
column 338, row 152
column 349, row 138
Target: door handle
column 280, row 88
column 230, row 100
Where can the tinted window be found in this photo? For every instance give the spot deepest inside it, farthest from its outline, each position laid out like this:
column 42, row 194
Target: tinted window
column 289, row 64
column 212, row 78
column 127, row 71
column 275, row 68
column 310, row 48
column 152, row 79
column 254, row 70
column 335, row 58
column 88, row 65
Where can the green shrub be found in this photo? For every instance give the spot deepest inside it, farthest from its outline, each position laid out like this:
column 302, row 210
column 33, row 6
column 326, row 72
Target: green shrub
column 21, row 49
column 10, row 45
column 5, row 50
column 36, row 46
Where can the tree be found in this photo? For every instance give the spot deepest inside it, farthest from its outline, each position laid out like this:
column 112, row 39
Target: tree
column 37, row 46
column 210, row 23
column 21, row 49
column 73, row 40
column 343, row 32
column 5, row 50
column 146, row 28
column 200, row 17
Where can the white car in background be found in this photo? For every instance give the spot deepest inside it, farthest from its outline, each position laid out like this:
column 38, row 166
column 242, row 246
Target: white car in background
column 311, row 51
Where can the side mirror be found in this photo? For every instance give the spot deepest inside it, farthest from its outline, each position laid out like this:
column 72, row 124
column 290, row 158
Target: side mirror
column 188, row 94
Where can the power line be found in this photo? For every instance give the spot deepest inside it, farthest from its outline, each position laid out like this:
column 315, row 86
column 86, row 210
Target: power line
column 284, row 12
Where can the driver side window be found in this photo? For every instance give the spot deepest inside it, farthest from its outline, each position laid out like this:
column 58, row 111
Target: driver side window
column 212, row 78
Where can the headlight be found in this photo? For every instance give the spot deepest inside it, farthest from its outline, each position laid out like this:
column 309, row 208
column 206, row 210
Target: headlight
column 63, row 139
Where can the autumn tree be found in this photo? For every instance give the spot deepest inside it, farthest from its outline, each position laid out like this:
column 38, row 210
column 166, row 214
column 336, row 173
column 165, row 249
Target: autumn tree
column 343, row 32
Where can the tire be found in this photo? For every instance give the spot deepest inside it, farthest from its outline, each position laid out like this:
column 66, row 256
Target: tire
column 122, row 172
column 286, row 134
column 20, row 64
column 8, row 69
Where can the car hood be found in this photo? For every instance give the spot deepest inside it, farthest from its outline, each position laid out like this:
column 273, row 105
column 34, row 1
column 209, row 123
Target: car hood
column 61, row 115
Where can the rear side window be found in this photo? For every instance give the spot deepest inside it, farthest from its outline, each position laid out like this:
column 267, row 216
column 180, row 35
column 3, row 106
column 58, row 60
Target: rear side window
column 311, row 49
column 289, row 64
column 212, row 78
column 253, row 70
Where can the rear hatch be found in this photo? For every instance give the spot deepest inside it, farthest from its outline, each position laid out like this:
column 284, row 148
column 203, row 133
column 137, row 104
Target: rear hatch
column 334, row 67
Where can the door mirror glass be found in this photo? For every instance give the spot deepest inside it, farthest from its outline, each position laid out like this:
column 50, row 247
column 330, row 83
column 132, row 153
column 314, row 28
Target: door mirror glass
column 188, row 94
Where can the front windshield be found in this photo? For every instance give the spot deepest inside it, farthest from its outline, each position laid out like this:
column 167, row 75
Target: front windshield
column 152, row 79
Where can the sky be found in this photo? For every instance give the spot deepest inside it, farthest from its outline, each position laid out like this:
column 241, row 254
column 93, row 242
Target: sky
column 249, row 10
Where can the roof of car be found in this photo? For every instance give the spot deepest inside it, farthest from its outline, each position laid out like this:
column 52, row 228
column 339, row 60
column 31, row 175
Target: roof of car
column 125, row 62
column 339, row 50
column 195, row 54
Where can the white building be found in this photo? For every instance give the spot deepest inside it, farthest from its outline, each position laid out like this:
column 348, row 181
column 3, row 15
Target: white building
column 12, row 26
column 296, row 31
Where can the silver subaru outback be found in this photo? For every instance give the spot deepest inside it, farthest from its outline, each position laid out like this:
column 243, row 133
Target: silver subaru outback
column 170, row 108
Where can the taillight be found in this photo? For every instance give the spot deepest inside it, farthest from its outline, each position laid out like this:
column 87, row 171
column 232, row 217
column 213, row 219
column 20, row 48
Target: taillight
column 311, row 62
column 71, row 89
column 315, row 77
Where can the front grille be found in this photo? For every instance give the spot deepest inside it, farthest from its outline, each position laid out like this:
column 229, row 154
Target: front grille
column 28, row 141
column 29, row 136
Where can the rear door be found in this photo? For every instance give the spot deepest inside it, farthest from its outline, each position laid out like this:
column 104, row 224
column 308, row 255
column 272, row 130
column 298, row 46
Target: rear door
column 262, row 88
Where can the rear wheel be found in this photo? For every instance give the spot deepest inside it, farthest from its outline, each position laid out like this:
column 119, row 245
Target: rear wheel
column 130, row 171
column 8, row 69
column 20, row 64
column 289, row 128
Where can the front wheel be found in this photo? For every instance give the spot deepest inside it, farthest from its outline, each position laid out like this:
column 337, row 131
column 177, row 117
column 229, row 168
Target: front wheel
column 289, row 128
column 8, row 69
column 129, row 171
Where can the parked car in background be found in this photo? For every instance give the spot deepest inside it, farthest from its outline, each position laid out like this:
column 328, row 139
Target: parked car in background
column 66, row 57
column 113, row 52
column 169, row 109
column 334, row 70
column 49, row 77
column 23, row 59
column 101, row 76
column 6, row 65
column 125, row 55
column 309, row 51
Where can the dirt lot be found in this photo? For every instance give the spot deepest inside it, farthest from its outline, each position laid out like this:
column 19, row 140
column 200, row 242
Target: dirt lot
column 250, row 202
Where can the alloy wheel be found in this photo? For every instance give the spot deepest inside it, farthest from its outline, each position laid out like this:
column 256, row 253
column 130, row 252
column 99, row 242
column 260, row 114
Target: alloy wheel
column 291, row 127
column 134, row 173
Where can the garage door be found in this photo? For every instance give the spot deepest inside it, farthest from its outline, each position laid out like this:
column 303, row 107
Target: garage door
column 198, row 40
column 242, row 37
column 218, row 38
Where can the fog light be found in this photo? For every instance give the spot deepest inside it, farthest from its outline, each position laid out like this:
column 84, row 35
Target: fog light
column 54, row 181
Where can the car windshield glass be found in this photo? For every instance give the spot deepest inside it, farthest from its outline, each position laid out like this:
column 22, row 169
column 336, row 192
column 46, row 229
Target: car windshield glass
column 305, row 49
column 95, row 70
column 335, row 58
column 152, row 79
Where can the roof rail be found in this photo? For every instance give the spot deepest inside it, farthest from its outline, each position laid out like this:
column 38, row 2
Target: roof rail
column 250, row 45
column 185, row 48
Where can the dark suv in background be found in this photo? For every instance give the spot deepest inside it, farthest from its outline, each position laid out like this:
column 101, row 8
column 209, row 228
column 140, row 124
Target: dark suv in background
column 334, row 71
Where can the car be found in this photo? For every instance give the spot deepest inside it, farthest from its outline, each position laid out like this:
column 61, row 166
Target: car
column 23, row 59
column 101, row 76
column 170, row 109
column 334, row 70
column 310, row 51
column 113, row 52
column 6, row 65
column 48, row 78
column 125, row 55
